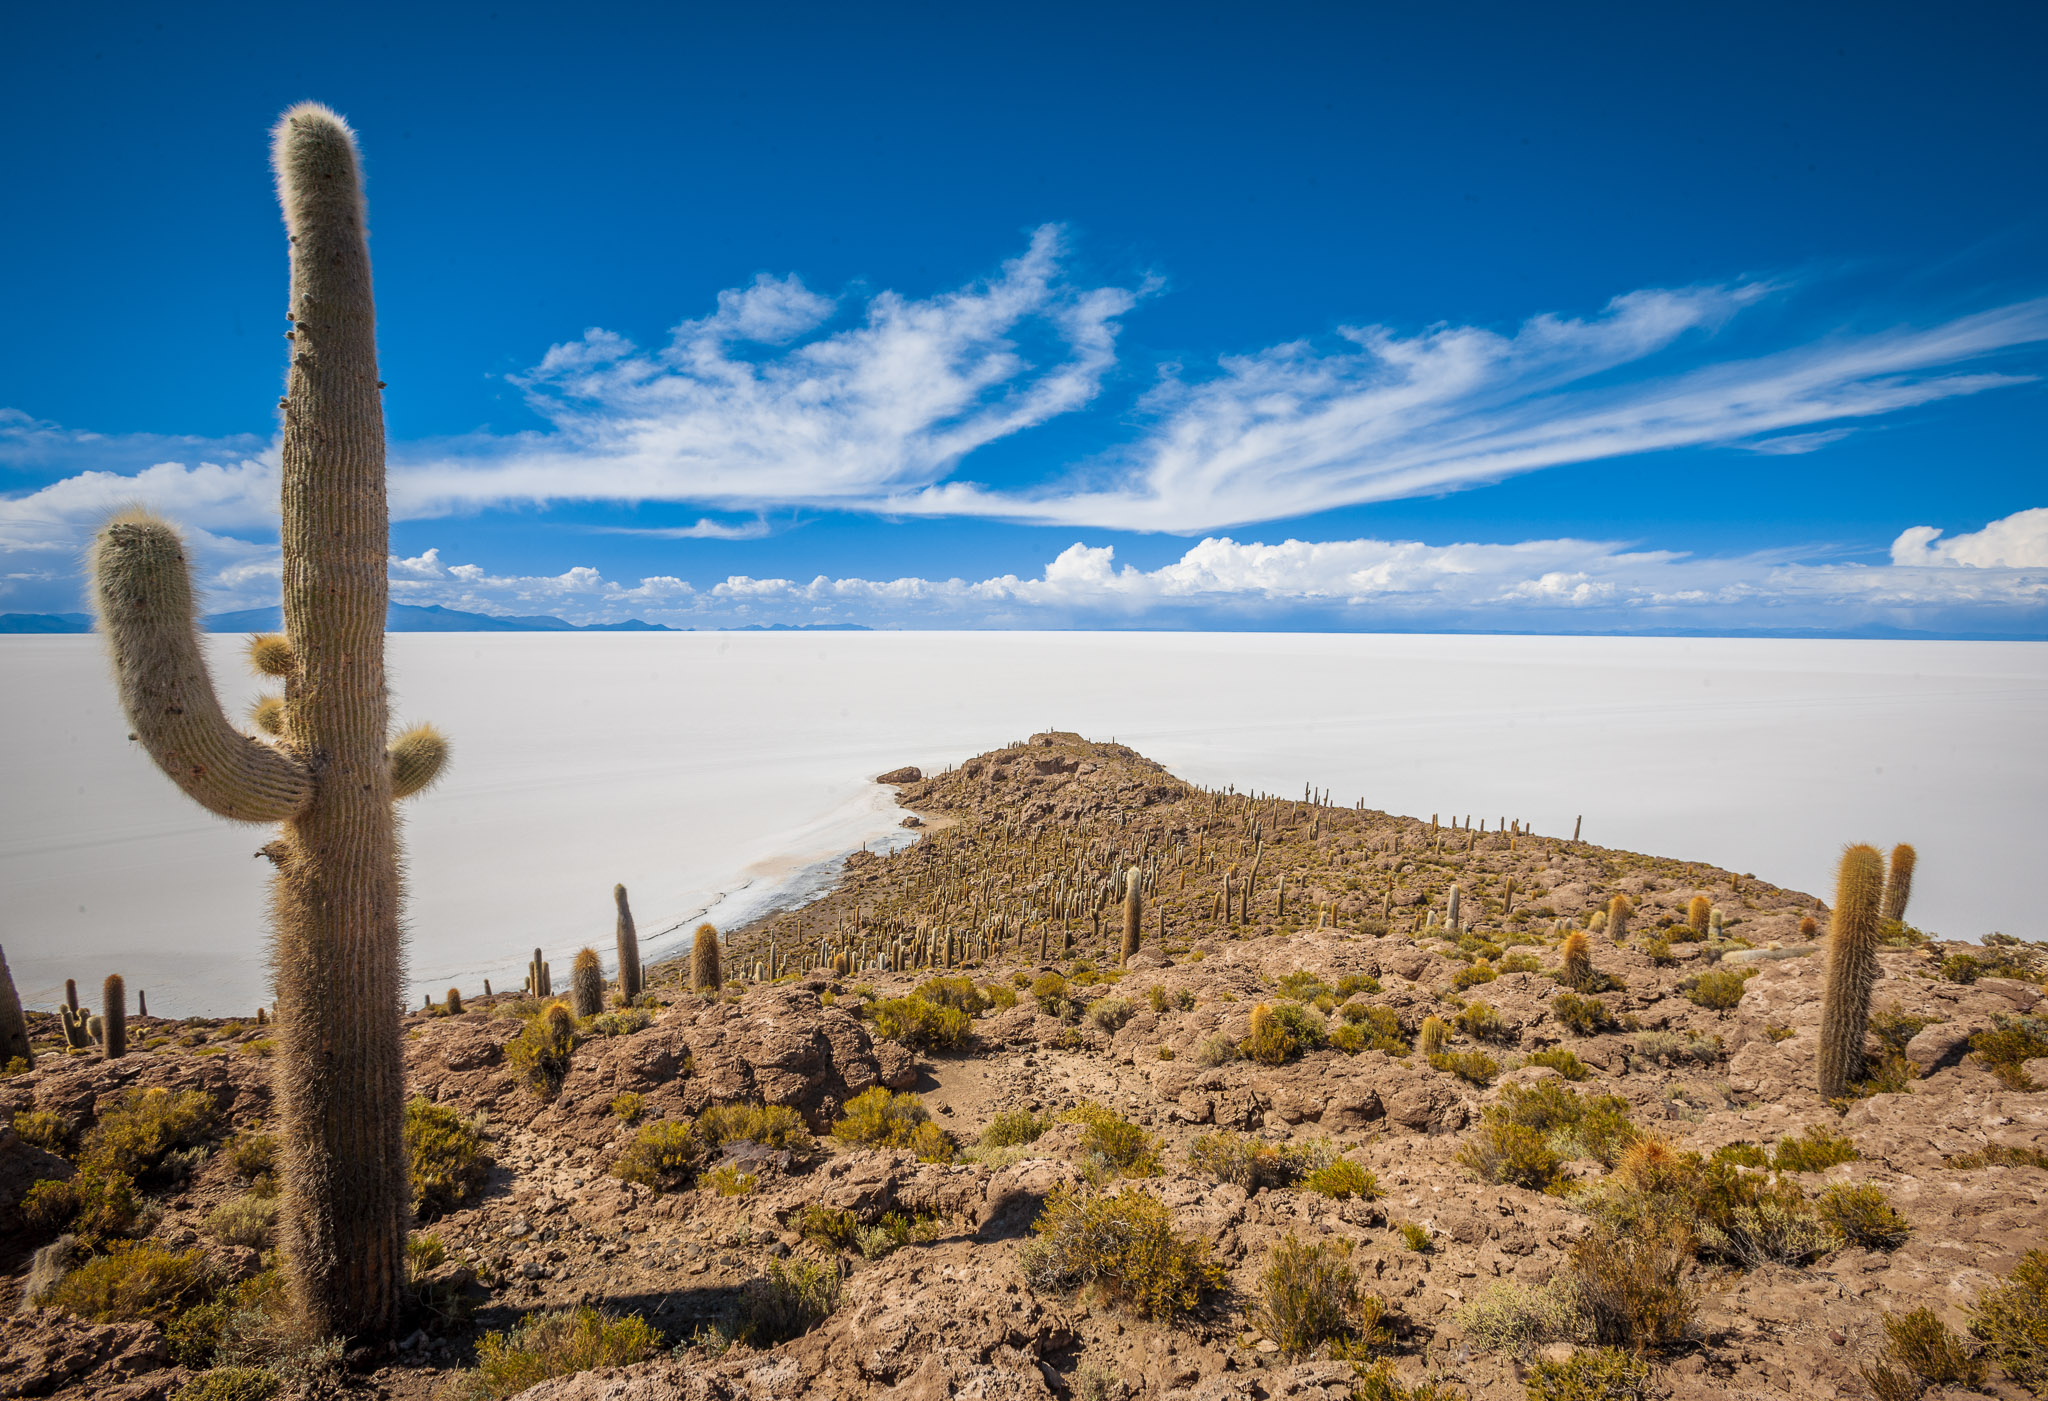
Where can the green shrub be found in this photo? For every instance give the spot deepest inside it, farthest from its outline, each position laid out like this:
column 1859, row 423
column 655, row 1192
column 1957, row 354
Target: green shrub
column 1474, row 1066
column 878, row 1118
column 245, row 1220
column 1608, row 1374
column 960, row 994
column 662, row 1155
column 1481, row 1022
column 1309, row 1299
column 1864, row 1216
column 791, row 1298
column 1216, row 1049
column 1718, row 989
column 1280, row 1033
column 554, row 1344
column 1564, row 1062
column 1927, row 1348
column 1961, row 968
column 133, row 1283
column 1000, row 997
column 1013, row 1128
column 1515, row 1320
column 1343, row 1179
column 1582, row 1016
column 1997, row 1155
column 622, row 1022
column 1416, row 1237
column 827, row 1226
column 2011, row 1319
column 2006, row 1049
column 1050, row 992
column 445, row 1156
column 424, row 1252
column 728, row 1181
column 629, row 1107
column 771, row 1125
column 1511, row 1154
column 252, row 1155
column 1472, row 975
column 231, row 1384
column 98, row 1206
column 1631, row 1287
column 1122, row 1247
column 1240, row 1159
column 1118, row 1144
column 926, row 1026
column 137, row 1137
column 540, row 1053
column 1110, row 1013
column 48, row 1130
column 1816, row 1150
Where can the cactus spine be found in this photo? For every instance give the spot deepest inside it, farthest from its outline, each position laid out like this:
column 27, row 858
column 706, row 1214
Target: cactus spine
column 13, row 1025
column 629, row 948
column 586, row 984
column 1134, row 916
column 114, row 1016
column 332, row 775
column 704, row 970
column 1898, row 882
column 1852, row 969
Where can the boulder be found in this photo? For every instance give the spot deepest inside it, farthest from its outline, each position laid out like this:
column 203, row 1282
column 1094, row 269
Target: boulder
column 909, row 773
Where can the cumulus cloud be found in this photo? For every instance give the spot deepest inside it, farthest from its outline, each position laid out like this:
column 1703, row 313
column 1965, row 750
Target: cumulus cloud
column 2020, row 541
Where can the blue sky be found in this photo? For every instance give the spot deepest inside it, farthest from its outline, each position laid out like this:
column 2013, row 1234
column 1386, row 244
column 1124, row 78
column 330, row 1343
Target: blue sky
column 1611, row 319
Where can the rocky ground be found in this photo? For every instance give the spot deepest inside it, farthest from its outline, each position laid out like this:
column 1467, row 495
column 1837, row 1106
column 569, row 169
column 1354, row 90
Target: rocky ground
column 1024, row 851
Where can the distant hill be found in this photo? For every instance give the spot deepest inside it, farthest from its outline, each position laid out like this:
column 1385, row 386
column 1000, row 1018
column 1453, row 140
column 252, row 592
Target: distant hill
column 398, row 617
column 800, row 627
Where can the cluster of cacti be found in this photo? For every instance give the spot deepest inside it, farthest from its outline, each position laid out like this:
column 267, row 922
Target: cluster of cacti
column 704, row 965
column 586, row 984
column 14, row 1043
column 77, row 1022
column 1852, row 969
column 629, row 948
column 538, row 981
column 332, row 768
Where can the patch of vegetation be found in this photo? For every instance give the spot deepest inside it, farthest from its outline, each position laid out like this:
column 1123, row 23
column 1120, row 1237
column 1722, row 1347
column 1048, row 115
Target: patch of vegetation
column 1717, row 989
column 827, row 1226
column 663, row 1156
column 231, row 1384
column 48, row 1130
column 1473, row 975
column 1997, row 1155
column 1110, row 1013
column 135, row 1139
column 1122, row 1248
column 1013, row 1128
column 1816, row 1150
column 960, row 994
column 1343, row 1180
column 1525, row 1139
column 629, row 1108
column 1606, row 1374
column 1517, row 1319
column 445, row 1157
column 790, row 1299
column 880, row 1118
column 922, row 1025
column 1926, row 1353
column 729, row 1181
column 243, row 1220
column 770, row 1125
column 2006, row 1049
column 622, row 1022
column 1280, row 1033
column 1052, row 995
column 1564, row 1062
column 553, row 1344
column 2011, row 1319
column 1477, row 1067
column 540, row 1052
column 1416, row 1237
column 252, row 1155
column 1309, row 1299
column 1961, row 968
column 1580, row 1015
column 1864, row 1216
column 1481, row 1022
column 1631, row 1286
column 1116, row 1145
column 139, row 1282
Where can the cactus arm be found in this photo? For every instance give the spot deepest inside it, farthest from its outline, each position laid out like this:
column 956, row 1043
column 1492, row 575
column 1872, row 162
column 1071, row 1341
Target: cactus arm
column 417, row 758
column 142, row 588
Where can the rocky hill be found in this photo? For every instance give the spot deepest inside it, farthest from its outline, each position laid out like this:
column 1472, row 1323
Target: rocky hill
column 944, row 1133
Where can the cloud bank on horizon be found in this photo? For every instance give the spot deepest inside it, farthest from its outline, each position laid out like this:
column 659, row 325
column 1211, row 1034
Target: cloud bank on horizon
column 785, row 400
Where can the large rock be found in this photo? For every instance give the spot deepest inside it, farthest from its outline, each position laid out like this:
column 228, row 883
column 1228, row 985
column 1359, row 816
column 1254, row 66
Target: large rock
column 909, row 773
column 46, row 1352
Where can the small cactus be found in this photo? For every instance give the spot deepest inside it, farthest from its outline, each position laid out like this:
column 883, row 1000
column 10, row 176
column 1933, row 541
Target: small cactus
column 1898, row 883
column 142, row 1004
column 455, row 1002
column 1134, row 916
column 629, row 948
column 1698, row 912
column 840, row 966
column 1578, row 960
column 586, row 984
column 1433, row 1036
column 77, row 1027
column 114, row 1017
column 1852, row 969
column 13, row 1025
column 1618, row 911
column 1452, row 917
column 704, row 970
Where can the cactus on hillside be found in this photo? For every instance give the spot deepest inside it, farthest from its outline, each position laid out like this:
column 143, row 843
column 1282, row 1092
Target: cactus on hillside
column 454, row 1002
column 1134, row 916
column 1618, row 911
column 1451, row 914
column 1852, row 969
column 1434, row 1034
column 704, row 970
column 13, row 1025
column 840, row 967
column 586, row 984
column 332, row 774
column 1898, row 882
column 1698, row 911
column 77, row 1028
column 629, row 948
column 1577, row 971
column 114, row 1016
column 71, row 994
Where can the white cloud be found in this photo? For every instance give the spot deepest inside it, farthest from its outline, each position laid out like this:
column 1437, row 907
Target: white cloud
column 2020, row 541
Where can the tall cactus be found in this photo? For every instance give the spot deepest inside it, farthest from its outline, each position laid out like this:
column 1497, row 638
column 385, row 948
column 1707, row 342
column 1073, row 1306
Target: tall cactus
column 1618, row 911
column 1134, row 916
column 13, row 1025
column 1898, row 882
column 1852, row 969
column 1577, row 970
column 334, row 769
column 629, row 947
column 586, row 984
column 1451, row 915
column 114, row 1016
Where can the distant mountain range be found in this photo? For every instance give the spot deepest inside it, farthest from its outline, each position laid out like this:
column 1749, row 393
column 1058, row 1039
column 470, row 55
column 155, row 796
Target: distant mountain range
column 401, row 617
